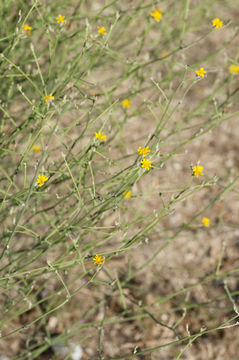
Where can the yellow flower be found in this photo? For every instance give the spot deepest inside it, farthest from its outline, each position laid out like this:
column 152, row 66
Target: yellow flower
column 49, row 98
column 198, row 170
column 36, row 148
column 98, row 259
column 101, row 30
column 126, row 103
column 234, row 69
column 146, row 164
column 157, row 14
column 27, row 28
column 217, row 23
column 60, row 18
column 41, row 179
column 127, row 194
column 201, row 72
column 143, row 151
column 206, row 222
column 100, row 137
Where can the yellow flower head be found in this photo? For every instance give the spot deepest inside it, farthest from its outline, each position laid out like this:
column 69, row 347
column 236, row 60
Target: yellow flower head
column 41, row 179
column 101, row 30
column 60, row 18
column 234, row 69
column 197, row 169
column 217, row 23
column 201, row 72
column 126, row 103
column 49, row 98
column 127, row 194
column 146, row 164
column 36, row 148
column 27, row 28
column 157, row 14
column 98, row 259
column 144, row 151
column 100, row 137
column 206, row 222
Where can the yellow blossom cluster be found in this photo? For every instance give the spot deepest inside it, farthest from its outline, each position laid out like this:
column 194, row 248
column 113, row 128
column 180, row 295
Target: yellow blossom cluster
column 145, row 163
column 126, row 103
